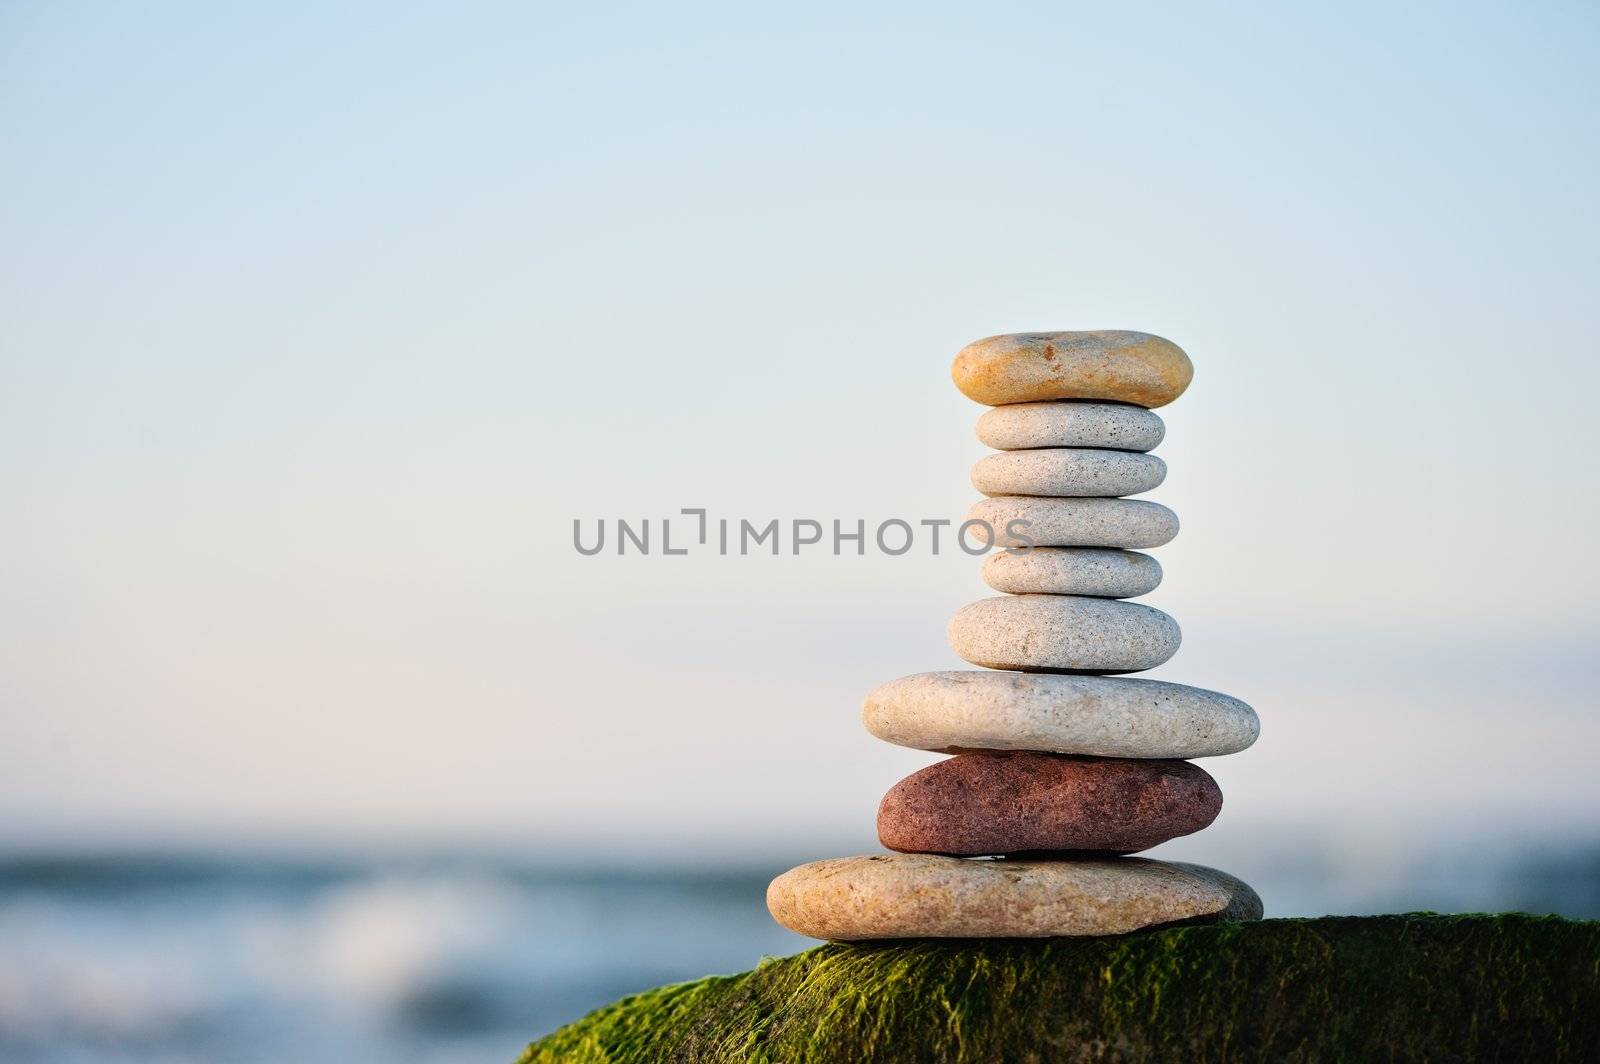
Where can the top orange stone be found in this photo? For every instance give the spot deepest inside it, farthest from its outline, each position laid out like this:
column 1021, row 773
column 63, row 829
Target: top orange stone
column 1127, row 367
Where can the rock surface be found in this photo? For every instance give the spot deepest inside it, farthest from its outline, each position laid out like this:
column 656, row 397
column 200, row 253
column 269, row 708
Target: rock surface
column 1391, row 988
column 1020, row 803
column 1097, row 571
column 1046, row 522
column 1063, row 633
column 1071, row 424
column 1128, row 367
column 1068, row 471
column 1101, row 716
column 906, row 895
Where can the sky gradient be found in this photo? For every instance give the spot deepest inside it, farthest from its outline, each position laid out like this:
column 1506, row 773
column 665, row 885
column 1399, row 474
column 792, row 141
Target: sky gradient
column 323, row 326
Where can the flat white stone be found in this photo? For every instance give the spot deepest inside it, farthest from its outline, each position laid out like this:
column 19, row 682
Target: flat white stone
column 1047, row 522
column 916, row 895
column 1072, row 571
column 1095, row 716
column 1068, row 471
column 1071, row 424
column 1063, row 633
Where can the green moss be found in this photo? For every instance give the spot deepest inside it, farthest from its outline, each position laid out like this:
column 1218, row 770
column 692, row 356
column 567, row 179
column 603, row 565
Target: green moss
column 1391, row 988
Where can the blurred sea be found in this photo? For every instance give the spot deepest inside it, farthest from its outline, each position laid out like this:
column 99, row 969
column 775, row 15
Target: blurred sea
column 182, row 958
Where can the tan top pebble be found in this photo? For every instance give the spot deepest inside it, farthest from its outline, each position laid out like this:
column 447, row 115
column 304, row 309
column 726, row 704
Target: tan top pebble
column 1115, row 364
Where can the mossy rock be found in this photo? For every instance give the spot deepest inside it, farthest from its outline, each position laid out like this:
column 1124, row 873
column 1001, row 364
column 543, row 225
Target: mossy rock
column 1380, row 988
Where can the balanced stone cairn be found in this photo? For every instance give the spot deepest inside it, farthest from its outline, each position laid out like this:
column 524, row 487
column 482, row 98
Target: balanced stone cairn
column 1060, row 769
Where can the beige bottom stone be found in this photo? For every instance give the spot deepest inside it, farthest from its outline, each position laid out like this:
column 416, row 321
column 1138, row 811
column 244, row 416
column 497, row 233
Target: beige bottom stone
column 851, row 899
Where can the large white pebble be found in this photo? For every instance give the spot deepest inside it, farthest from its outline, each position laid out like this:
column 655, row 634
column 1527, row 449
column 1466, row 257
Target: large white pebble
column 1095, row 716
column 1071, row 424
column 1063, row 633
column 1072, row 571
column 1068, row 471
column 1047, row 522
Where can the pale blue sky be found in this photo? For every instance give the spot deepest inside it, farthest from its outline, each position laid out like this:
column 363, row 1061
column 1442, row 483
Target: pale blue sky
column 322, row 326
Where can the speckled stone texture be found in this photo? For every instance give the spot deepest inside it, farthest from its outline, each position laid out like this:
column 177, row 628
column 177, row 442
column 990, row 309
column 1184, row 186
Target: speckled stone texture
column 1128, row 367
column 1021, row 802
column 1062, row 633
column 1068, row 471
column 1103, row 716
column 1094, row 571
column 853, row 899
column 1071, row 423
column 1046, row 522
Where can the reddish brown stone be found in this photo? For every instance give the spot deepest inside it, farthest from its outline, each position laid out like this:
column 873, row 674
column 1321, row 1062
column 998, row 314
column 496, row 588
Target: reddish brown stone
column 1015, row 803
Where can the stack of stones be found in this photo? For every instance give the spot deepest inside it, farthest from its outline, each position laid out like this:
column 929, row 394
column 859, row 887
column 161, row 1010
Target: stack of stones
column 1060, row 768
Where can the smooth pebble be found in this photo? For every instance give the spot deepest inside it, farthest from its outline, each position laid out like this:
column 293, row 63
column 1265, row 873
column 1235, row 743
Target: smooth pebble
column 1068, row 471
column 890, row 896
column 1097, row 571
column 1025, row 802
column 1116, row 364
column 1067, row 423
column 1103, row 716
column 1027, row 521
column 1063, row 633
